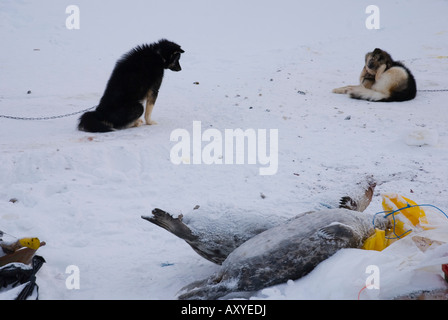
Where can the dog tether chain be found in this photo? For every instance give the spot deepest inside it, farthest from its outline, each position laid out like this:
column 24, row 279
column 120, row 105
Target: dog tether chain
column 46, row 118
column 85, row 110
column 433, row 90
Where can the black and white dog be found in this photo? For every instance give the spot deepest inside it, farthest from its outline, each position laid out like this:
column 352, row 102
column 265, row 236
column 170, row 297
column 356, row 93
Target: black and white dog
column 382, row 79
column 137, row 76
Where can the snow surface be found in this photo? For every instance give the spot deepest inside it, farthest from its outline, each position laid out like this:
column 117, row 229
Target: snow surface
column 248, row 64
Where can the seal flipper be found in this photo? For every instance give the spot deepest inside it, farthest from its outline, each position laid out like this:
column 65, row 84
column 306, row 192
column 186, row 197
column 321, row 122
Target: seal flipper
column 174, row 225
column 348, row 203
column 338, row 232
column 360, row 202
column 211, row 288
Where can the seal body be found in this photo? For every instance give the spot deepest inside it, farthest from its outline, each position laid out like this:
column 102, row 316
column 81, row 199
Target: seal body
column 216, row 231
column 288, row 251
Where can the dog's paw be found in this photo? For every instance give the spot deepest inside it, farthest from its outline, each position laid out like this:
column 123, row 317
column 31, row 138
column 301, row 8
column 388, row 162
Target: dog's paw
column 151, row 122
column 342, row 90
column 138, row 123
column 337, row 90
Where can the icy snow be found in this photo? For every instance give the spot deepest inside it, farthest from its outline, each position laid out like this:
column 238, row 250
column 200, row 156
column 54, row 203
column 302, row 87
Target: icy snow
column 248, row 64
column 421, row 137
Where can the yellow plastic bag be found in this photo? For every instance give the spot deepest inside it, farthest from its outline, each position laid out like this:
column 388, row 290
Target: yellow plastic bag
column 411, row 216
column 376, row 242
column 405, row 215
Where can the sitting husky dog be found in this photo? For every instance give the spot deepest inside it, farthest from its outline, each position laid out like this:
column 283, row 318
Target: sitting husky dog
column 137, row 76
column 382, row 79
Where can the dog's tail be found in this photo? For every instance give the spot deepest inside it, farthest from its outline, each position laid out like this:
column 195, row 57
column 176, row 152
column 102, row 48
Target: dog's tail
column 90, row 122
column 369, row 94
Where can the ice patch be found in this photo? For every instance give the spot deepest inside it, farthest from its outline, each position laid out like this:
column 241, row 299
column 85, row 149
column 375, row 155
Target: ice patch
column 421, row 137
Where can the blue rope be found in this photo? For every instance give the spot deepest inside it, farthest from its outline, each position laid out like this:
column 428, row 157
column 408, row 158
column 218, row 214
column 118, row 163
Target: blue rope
column 406, row 207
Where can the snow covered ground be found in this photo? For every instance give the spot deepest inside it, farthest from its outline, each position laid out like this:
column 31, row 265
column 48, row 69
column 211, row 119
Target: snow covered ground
column 250, row 65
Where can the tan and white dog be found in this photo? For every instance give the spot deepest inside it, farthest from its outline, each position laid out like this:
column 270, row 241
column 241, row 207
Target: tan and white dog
column 382, row 79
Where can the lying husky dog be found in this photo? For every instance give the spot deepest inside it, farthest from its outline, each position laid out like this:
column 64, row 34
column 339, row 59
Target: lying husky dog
column 382, row 79
column 137, row 76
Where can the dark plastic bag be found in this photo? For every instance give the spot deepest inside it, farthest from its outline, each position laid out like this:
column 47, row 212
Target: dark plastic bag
column 14, row 274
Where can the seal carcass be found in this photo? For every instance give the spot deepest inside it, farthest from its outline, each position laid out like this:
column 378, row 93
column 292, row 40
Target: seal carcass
column 288, row 251
column 215, row 232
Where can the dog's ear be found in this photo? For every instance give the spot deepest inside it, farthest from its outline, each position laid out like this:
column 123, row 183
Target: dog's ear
column 388, row 59
column 377, row 51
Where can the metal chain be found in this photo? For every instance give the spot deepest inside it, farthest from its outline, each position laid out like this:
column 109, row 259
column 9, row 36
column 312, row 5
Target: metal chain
column 77, row 112
column 435, row 90
column 46, row 118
